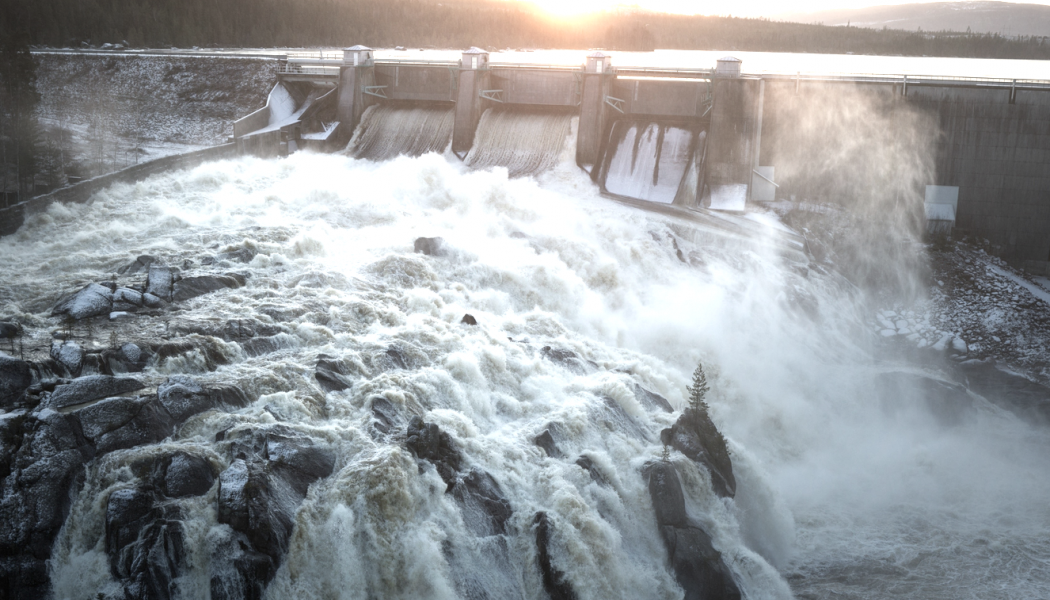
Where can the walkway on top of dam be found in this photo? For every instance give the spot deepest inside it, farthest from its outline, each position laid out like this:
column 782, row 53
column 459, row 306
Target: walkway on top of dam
column 321, row 67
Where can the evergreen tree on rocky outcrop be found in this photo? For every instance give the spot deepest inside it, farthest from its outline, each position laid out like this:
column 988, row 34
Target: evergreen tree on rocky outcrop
column 698, row 390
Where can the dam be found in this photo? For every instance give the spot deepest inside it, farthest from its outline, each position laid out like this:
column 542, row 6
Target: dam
column 703, row 137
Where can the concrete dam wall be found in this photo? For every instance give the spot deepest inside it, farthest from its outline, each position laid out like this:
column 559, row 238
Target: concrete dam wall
column 694, row 138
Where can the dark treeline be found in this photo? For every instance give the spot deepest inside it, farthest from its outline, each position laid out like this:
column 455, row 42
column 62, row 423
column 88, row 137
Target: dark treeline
column 460, row 24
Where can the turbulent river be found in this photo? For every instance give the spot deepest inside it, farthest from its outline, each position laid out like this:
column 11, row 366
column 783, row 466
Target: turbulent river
column 585, row 309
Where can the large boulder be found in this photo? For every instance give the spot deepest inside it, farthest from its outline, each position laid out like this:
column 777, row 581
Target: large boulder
column 695, row 435
column 70, row 355
column 183, row 397
column 49, row 452
column 15, row 379
column 427, row 441
column 485, row 509
column 159, row 282
column 146, row 543
column 434, row 246
column 555, row 583
column 117, row 423
column 191, row 287
column 698, row 567
column 182, row 474
column 92, row 300
column 259, row 494
column 9, row 330
column 332, row 375
column 90, row 388
column 140, row 265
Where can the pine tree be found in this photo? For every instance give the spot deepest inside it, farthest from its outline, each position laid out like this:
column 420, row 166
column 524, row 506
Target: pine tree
column 698, row 390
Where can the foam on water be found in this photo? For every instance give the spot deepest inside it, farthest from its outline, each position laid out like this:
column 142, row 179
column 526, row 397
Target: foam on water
column 849, row 496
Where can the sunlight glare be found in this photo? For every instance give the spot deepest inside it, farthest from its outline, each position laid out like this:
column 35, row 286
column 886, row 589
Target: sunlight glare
column 572, row 8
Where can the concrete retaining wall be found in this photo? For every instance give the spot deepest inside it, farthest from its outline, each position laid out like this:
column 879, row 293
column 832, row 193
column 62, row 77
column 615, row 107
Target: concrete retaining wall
column 11, row 218
column 999, row 155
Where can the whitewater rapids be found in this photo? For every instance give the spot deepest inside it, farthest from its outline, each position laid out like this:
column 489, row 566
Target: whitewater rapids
column 839, row 494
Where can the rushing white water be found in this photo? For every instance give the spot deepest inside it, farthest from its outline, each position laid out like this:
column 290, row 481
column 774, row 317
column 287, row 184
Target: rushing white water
column 649, row 160
column 848, row 494
column 389, row 131
column 525, row 142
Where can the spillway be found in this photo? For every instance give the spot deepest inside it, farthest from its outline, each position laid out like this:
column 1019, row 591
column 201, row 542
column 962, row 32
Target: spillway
column 388, row 131
column 648, row 160
column 525, row 142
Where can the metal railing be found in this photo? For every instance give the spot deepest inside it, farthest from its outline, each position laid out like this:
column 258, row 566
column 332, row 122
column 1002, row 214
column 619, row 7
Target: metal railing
column 327, row 65
column 938, row 80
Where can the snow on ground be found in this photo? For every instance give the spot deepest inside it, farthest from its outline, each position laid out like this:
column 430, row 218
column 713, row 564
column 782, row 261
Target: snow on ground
column 123, row 109
column 978, row 307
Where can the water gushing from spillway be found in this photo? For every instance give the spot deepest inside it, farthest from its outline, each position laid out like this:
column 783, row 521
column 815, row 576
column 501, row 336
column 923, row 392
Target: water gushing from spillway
column 649, row 159
column 388, row 131
column 524, row 141
column 848, row 493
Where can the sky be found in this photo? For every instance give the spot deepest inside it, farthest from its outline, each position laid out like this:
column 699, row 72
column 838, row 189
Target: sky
column 739, row 8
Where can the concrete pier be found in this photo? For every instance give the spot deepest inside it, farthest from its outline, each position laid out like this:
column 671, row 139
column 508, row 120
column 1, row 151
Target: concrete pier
column 356, row 80
column 472, row 99
column 594, row 90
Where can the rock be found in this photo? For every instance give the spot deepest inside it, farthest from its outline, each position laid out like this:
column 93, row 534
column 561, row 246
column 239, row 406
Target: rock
column 152, row 301
column 145, row 543
column 546, row 441
column 191, row 287
column 567, row 358
column 118, row 423
column 427, row 441
column 46, row 467
column 651, row 400
column 9, row 330
column 555, row 583
column 585, row 463
column 183, row 397
column 469, row 319
column 332, row 375
column 134, row 356
column 387, row 417
column 92, row 387
column 119, row 315
column 159, row 282
column 434, row 246
column 15, row 379
column 695, row 435
column 261, row 345
column 141, row 265
column 127, row 296
column 92, row 300
column 186, row 475
column 698, row 567
column 393, row 358
column 242, row 329
column 261, row 490
column 241, row 255
column 485, row 509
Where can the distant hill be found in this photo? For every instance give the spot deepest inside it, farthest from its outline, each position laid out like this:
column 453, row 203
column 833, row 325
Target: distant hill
column 1005, row 18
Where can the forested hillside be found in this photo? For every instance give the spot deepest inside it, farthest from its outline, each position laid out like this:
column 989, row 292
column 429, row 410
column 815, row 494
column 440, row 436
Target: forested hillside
column 458, row 24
